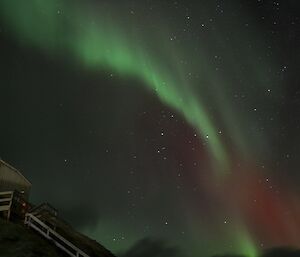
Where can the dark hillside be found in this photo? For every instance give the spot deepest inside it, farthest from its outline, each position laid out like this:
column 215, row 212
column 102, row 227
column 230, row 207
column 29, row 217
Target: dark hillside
column 16, row 240
column 19, row 241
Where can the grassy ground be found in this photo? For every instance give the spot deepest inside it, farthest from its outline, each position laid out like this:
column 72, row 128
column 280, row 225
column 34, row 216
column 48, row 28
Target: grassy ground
column 18, row 241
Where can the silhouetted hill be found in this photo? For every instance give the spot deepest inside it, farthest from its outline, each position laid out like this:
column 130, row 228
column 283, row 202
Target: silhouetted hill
column 18, row 241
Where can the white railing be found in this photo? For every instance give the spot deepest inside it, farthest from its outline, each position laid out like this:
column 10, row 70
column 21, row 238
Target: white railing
column 6, row 199
column 50, row 234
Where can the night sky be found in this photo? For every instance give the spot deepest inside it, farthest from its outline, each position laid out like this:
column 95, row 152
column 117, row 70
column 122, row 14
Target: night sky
column 162, row 124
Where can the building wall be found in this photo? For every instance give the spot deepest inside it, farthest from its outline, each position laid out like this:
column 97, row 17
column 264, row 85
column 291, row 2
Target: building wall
column 11, row 179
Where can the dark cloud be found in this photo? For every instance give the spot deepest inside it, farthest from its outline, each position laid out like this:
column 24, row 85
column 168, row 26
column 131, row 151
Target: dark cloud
column 229, row 255
column 282, row 252
column 148, row 247
column 274, row 252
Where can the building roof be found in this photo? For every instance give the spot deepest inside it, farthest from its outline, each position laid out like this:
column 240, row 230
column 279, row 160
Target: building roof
column 15, row 170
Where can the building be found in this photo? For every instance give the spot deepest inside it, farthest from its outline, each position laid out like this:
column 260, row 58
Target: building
column 11, row 179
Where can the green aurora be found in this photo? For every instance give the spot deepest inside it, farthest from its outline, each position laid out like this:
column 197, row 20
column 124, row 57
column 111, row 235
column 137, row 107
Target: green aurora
column 100, row 44
column 100, row 40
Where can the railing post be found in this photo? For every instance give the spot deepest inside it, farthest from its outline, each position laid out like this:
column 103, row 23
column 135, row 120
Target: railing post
column 6, row 197
column 28, row 220
column 8, row 214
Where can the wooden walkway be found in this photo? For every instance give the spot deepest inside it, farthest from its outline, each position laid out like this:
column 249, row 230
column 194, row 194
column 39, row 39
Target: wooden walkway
column 61, row 242
column 33, row 221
